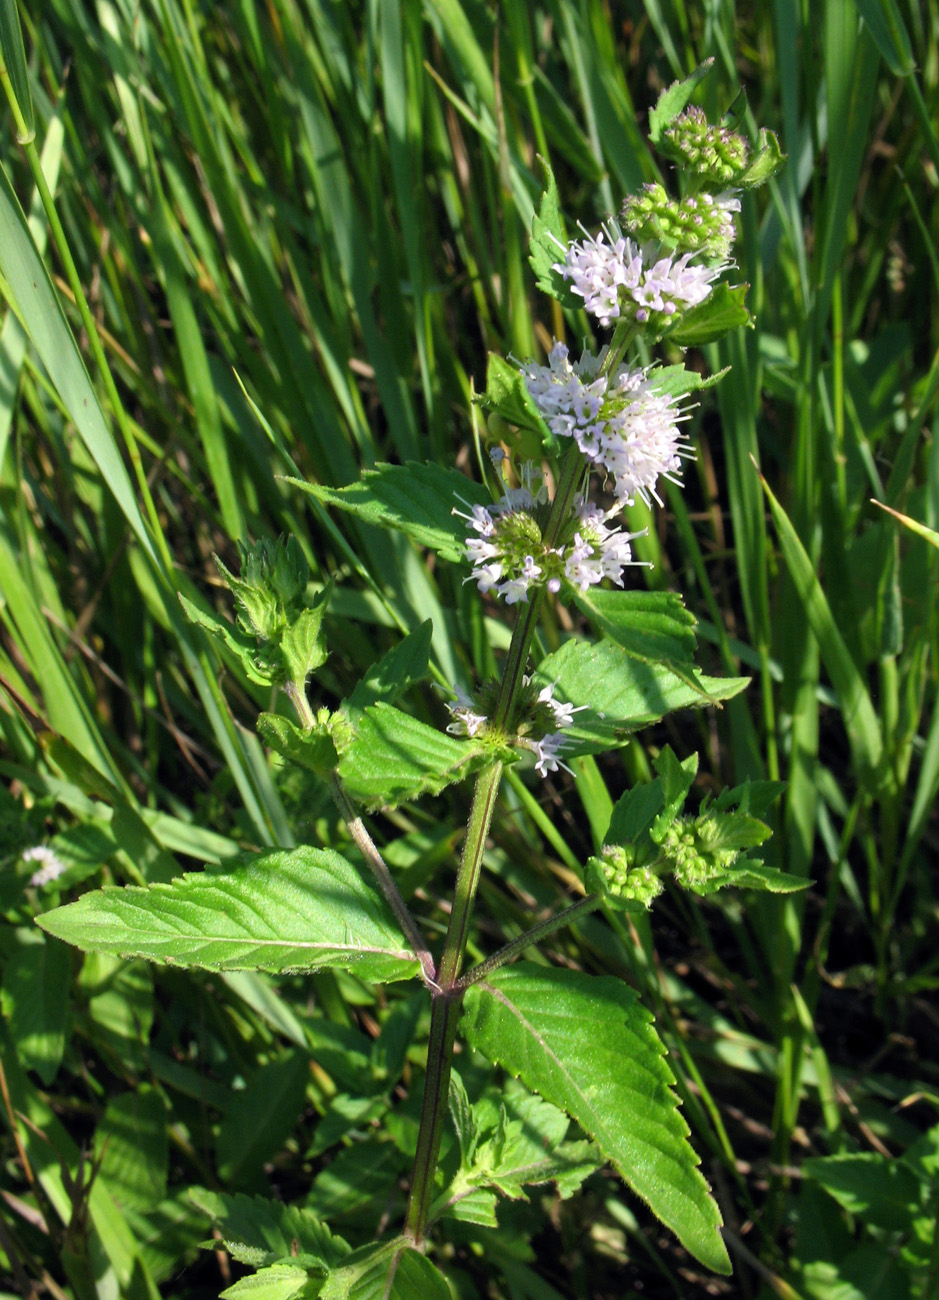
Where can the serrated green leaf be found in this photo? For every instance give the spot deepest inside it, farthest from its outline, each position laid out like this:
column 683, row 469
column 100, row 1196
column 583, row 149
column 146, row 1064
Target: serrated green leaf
column 678, row 381
column 301, row 643
column 548, row 244
column 756, row 797
column 396, row 672
column 464, row 1120
column 283, row 910
column 242, row 646
column 387, row 1271
column 730, row 830
column 414, row 499
column 619, row 693
column 312, row 748
column 722, row 311
column 474, row 1205
column 587, row 1045
column 364, row 1179
column 518, row 1156
column 753, row 875
column 677, row 779
column 507, row 397
column 278, row 1282
column 634, row 812
column 394, row 758
column 270, row 1230
column 35, row 1000
column 525, row 1145
column 652, row 626
column 672, row 101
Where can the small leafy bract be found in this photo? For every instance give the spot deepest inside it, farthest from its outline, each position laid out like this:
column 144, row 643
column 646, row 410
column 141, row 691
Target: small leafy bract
column 282, row 910
column 673, row 100
column 262, row 1232
column 548, row 241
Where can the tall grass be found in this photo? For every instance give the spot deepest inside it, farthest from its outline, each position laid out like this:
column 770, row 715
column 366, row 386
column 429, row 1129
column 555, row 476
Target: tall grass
column 289, row 234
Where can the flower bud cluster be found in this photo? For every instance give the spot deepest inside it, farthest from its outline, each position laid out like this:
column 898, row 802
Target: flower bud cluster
column 620, row 279
column 716, row 154
column 685, row 845
column 698, row 224
column 540, row 727
column 510, row 556
column 270, row 590
column 622, row 424
column 623, row 878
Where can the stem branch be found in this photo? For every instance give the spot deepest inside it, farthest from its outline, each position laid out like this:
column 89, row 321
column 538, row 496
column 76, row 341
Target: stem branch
column 384, row 879
column 557, row 921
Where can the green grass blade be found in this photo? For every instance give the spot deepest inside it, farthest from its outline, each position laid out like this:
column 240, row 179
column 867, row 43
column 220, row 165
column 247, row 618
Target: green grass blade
column 858, row 713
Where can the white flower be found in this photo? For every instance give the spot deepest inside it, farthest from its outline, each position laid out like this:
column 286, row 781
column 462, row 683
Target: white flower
column 53, row 868
column 562, row 711
column 466, row 721
column 598, row 270
column 619, row 277
column 516, row 588
column 546, row 753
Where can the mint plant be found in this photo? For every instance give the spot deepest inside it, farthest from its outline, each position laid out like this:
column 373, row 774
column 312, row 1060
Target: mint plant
column 572, row 443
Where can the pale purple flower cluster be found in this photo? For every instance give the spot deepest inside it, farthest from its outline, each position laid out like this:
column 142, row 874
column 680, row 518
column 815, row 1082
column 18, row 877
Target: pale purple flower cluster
column 546, row 749
column 468, row 721
column 509, row 557
column 500, row 528
column 620, row 277
column 621, row 424
column 596, row 552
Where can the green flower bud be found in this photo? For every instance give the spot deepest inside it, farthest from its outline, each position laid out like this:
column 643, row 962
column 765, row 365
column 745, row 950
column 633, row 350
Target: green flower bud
column 690, row 851
column 620, row 876
column 715, row 154
column 269, row 593
column 700, row 224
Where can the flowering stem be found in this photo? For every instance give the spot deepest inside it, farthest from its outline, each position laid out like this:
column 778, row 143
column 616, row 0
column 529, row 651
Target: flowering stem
column 557, row 921
column 622, row 337
column 448, row 993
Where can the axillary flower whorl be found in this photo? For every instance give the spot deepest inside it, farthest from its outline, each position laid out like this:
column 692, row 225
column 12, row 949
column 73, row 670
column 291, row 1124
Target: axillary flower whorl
column 622, row 424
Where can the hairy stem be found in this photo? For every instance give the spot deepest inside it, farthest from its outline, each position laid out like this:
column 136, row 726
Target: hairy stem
column 551, row 925
column 367, row 847
column 445, row 1013
column 384, row 879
